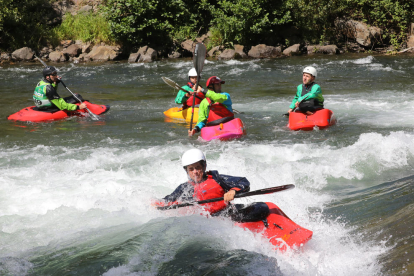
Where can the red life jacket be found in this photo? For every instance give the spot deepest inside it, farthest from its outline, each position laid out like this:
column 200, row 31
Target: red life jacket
column 199, row 97
column 218, row 114
column 207, row 190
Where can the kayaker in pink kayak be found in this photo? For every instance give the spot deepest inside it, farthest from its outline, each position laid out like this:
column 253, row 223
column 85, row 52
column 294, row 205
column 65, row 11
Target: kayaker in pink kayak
column 308, row 96
column 185, row 95
column 202, row 185
column 216, row 108
column 46, row 97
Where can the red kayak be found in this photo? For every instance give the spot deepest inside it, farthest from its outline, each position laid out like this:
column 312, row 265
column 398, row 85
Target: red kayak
column 280, row 230
column 32, row 114
column 322, row 118
column 277, row 228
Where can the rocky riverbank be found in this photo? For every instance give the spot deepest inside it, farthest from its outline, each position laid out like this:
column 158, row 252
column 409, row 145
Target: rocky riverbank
column 356, row 36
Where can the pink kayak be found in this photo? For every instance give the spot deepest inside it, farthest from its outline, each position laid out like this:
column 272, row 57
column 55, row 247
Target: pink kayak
column 226, row 131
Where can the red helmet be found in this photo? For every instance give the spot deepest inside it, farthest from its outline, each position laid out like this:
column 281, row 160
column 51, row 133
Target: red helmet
column 213, row 80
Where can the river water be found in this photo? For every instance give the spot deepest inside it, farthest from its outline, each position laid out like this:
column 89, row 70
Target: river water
column 75, row 194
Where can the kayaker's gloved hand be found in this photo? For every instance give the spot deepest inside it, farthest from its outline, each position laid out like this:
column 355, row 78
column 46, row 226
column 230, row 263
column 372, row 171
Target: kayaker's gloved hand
column 58, row 79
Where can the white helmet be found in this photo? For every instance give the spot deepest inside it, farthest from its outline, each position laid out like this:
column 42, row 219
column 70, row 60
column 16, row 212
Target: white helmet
column 310, row 70
column 192, row 156
column 192, row 72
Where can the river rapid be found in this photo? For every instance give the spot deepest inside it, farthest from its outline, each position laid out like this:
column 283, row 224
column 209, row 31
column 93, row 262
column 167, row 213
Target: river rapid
column 75, row 195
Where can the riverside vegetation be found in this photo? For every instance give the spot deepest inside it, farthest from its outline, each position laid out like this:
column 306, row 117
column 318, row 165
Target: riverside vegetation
column 165, row 24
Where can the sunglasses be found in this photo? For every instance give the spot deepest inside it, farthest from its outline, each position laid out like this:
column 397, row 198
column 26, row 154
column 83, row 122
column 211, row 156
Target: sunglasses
column 54, row 74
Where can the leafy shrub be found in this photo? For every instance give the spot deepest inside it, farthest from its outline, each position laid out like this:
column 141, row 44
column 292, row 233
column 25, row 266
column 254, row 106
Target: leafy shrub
column 249, row 21
column 154, row 22
column 25, row 23
column 88, row 27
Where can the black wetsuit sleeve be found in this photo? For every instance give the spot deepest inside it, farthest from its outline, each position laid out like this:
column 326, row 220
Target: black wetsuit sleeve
column 182, row 193
column 227, row 182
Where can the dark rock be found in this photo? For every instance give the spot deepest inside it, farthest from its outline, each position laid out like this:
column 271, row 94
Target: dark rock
column 174, row 54
column 240, row 51
column 264, row 51
column 86, row 47
column 360, row 31
column 147, row 54
column 317, row 49
column 227, row 54
column 5, row 56
column 292, row 50
column 410, row 41
column 354, row 47
column 188, row 46
column 24, row 53
column 215, row 51
column 57, row 56
column 104, row 53
column 73, row 50
column 133, row 57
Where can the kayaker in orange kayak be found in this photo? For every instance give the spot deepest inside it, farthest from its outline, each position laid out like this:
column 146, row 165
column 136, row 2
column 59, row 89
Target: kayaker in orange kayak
column 308, row 96
column 46, row 97
column 204, row 184
column 185, row 95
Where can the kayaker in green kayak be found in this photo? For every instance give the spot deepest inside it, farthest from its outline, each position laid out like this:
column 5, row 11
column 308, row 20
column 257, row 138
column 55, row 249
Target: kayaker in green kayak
column 185, row 95
column 216, row 108
column 202, row 185
column 308, row 96
column 46, row 97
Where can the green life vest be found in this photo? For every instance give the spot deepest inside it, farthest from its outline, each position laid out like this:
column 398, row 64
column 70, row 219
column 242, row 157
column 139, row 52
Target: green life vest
column 39, row 95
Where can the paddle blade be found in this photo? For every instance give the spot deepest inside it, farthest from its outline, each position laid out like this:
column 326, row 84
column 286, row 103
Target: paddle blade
column 171, row 83
column 199, row 57
column 266, row 191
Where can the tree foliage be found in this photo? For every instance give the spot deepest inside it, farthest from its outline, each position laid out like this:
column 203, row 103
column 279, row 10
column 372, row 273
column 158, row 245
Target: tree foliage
column 248, row 22
column 88, row 27
column 154, row 22
column 25, row 23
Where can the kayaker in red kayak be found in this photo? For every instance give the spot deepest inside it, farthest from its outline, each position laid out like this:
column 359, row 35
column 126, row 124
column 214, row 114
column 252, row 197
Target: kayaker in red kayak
column 46, row 97
column 308, row 96
column 185, row 95
column 216, row 108
column 204, row 184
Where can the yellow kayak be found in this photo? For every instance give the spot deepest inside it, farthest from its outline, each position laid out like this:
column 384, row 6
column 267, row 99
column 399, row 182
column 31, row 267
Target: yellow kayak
column 182, row 114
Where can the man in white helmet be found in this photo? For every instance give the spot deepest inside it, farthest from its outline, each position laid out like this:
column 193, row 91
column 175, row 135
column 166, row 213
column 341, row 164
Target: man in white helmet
column 308, row 96
column 202, row 185
column 185, row 95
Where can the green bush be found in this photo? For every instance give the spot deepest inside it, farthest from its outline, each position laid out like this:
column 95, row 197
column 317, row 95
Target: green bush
column 88, row 27
column 25, row 23
column 158, row 23
column 249, row 21
column 155, row 22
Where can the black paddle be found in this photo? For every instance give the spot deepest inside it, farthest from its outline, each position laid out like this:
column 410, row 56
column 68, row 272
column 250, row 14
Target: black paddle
column 94, row 116
column 252, row 193
column 198, row 60
column 287, row 114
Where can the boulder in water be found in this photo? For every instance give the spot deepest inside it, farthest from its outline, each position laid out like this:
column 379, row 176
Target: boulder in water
column 265, row 51
column 24, row 54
